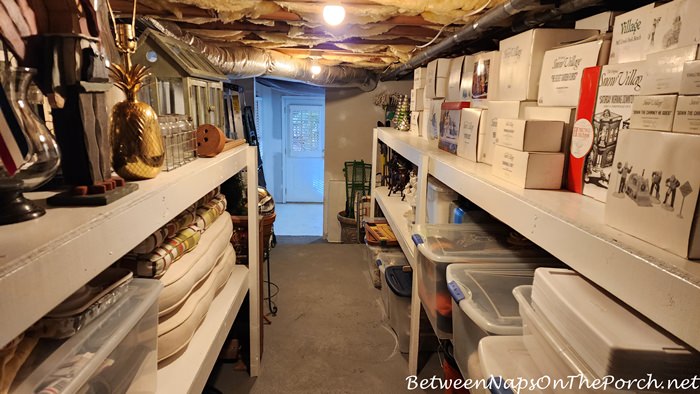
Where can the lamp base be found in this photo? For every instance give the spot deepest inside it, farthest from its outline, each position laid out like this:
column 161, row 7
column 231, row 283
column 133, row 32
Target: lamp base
column 14, row 207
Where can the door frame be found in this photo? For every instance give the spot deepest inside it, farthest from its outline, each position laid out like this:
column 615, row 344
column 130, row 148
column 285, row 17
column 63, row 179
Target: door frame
column 298, row 100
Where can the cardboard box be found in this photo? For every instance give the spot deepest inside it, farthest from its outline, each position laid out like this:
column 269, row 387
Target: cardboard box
column 521, row 60
column 602, row 22
column 653, row 112
column 417, row 99
column 665, row 70
column 487, row 134
column 605, row 108
column 560, row 82
column 674, row 25
column 456, row 87
column 530, row 135
column 690, row 78
column 436, row 79
column 471, row 121
column 564, row 114
column 419, row 77
column 416, row 123
column 529, row 170
column 653, row 193
column 630, row 33
column 485, row 76
column 687, row 119
column 449, row 125
column 432, row 121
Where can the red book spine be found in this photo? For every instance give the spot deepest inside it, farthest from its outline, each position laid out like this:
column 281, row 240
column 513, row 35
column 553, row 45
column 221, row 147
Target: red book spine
column 582, row 137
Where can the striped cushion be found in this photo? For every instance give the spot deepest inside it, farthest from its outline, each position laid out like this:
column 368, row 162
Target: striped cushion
column 180, row 222
column 207, row 213
column 154, row 264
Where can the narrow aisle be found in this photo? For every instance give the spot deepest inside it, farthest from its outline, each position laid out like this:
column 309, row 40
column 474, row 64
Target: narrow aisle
column 329, row 335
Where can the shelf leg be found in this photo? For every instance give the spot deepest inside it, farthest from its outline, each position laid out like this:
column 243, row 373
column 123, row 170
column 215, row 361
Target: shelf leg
column 413, row 346
column 253, row 261
column 373, row 178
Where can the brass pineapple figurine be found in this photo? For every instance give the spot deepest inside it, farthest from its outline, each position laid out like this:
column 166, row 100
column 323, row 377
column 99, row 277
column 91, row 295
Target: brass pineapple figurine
column 137, row 146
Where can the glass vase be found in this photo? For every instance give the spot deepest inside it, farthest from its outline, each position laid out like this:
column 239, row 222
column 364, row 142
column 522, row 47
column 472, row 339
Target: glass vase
column 42, row 158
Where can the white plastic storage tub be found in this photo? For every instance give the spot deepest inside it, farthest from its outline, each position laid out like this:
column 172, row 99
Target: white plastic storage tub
column 609, row 337
column 384, row 260
column 438, row 202
column 114, row 353
column 398, row 281
column 444, row 244
column 483, row 304
column 505, row 359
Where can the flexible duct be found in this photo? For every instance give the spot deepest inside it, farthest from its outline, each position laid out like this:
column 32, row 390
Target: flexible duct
column 491, row 18
column 248, row 62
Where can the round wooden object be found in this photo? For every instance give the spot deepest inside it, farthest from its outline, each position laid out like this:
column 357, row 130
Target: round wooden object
column 210, row 140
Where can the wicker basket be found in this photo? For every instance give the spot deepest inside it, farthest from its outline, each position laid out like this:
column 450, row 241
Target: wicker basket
column 348, row 229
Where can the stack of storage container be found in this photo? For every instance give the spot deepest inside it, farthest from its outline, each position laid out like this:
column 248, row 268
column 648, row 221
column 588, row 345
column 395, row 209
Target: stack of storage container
column 379, row 238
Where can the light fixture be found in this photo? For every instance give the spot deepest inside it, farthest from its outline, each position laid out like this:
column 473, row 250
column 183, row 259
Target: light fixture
column 315, row 69
column 333, row 14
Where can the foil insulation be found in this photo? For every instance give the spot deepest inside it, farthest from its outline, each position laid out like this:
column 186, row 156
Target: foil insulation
column 247, row 62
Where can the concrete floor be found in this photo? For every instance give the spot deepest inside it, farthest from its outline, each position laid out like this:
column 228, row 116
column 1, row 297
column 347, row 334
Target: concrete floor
column 330, row 334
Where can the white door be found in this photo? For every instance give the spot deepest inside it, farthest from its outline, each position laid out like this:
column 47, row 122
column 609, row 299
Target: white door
column 303, row 134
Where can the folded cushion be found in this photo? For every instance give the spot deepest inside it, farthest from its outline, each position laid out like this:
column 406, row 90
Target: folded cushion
column 179, row 280
column 180, row 222
column 176, row 329
column 207, row 213
column 154, row 264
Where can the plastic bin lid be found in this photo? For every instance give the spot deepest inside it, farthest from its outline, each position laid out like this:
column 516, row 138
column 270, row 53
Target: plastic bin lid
column 392, row 258
column 438, row 186
column 486, row 295
column 399, row 281
column 507, row 357
column 474, row 242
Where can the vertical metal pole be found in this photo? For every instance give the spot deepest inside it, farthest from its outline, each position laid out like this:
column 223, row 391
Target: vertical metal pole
column 253, row 260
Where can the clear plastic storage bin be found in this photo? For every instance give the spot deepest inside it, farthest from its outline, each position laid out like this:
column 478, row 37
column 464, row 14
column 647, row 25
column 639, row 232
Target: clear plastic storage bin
column 444, row 244
column 399, row 282
column 507, row 359
column 115, row 353
column 371, row 255
column 483, row 304
column 384, row 260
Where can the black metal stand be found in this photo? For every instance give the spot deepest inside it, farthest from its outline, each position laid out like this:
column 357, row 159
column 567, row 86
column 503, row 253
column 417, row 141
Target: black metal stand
column 266, row 256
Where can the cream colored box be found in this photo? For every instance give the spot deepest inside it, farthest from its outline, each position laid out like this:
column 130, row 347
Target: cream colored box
column 487, row 134
column 417, row 96
column 630, row 33
column 469, row 124
column 416, row 123
column 419, row 77
column 665, row 70
column 521, row 60
column 564, row 114
column 674, row 25
column 602, row 22
column 436, row 78
column 690, row 78
column 530, row 135
column 432, row 123
column 484, row 83
column 457, row 91
column 529, row 170
column 687, row 119
column 653, row 112
column 562, row 68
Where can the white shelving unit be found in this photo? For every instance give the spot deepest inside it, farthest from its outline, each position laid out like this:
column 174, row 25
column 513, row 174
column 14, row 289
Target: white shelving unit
column 45, row 260
column 660, row 285
column 395, row 211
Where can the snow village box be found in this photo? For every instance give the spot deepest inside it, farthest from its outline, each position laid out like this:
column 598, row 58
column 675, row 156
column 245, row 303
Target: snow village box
column 417, row 100
column 457, row 89
column 530, row 135
column 564, row 114
column 472, row 120
column 687, row 119
column 605, row 108
column 416, row 123
column 690, row 78
column 521, row 60
column 419, row 77
column 653, row 192
column 673, row 25
column 485, row 76
column 630, row 33
column 560, row 82
column 653, row 112
column 431, row 129
column 487, row 134
column 665, row 70
column 449, row 125
column 436, row 78
column 529, row 170
column 602, row 22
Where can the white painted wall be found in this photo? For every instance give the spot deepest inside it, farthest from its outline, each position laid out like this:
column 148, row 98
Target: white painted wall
column 350, row 118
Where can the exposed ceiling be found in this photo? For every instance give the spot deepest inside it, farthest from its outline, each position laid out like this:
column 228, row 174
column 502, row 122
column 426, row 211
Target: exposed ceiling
column 374, row 35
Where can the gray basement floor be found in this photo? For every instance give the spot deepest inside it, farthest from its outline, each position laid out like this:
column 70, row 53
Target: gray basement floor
column 330, row 334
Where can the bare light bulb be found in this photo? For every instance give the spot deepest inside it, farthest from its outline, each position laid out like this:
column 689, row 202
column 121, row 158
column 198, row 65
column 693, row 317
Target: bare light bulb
column 334, row 14
column 315, row 69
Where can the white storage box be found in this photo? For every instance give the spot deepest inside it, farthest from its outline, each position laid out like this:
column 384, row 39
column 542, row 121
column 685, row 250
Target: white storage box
column 438, row 201
column 471, row 122
column 690, row 78
column 497, row 110
column 416, row 123
column 673, row 25
column 114, row 353
column 630, row 34
column 450, row 122
column 505, row 359
column 665, row 70
column 530, row 135
column 485, row 76
column 416, row 103
column 607, row 335
column 419, row 77
column 687, row 119
column 653, row 112
column 438, row 72
column 444, row 244
column 602, row 22
column 454, row 81
column 529, row 170
column 564, row 114
column 431, row 123
column 384, row 260
column 483, row 304
column 521, row 60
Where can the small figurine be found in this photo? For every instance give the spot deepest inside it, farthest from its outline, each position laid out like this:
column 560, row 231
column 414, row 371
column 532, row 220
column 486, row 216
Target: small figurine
column 672, row 184
column 624, row 171
column 655, row 185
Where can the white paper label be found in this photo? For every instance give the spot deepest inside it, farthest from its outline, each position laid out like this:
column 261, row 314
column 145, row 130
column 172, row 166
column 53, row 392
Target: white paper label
column 581, row 138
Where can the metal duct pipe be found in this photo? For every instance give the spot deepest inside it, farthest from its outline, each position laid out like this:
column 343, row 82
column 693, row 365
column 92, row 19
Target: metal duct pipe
column 248, row 62
column 491, row 18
